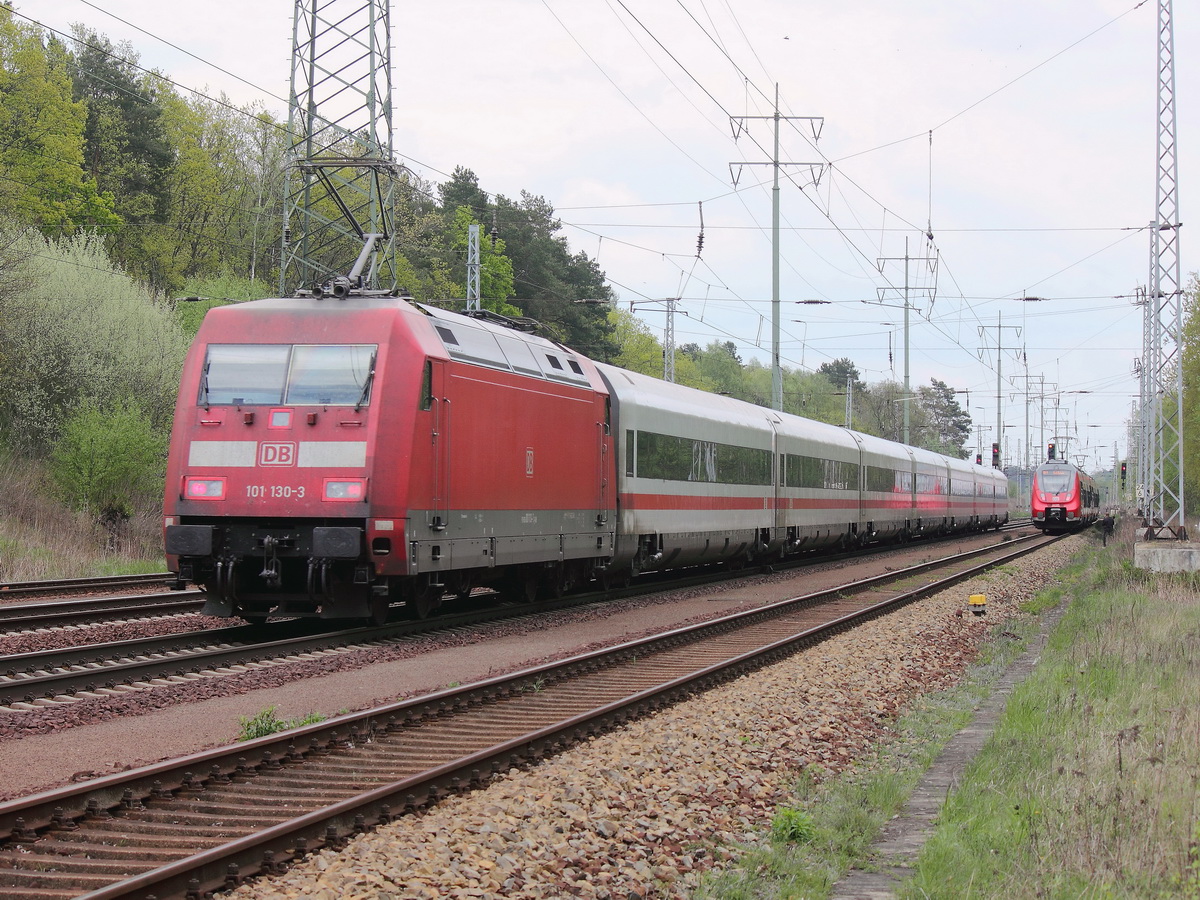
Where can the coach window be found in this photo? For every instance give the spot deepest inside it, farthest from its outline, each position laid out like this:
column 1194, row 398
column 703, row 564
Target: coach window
column 816, row 473
column 675, row 458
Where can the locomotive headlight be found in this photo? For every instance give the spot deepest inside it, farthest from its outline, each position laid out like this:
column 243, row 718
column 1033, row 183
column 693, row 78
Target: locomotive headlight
column 351, row 489
column 204, row 488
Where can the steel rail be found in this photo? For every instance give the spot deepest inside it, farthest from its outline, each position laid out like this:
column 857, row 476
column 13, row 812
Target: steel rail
column 95, row 582
column 58, row 613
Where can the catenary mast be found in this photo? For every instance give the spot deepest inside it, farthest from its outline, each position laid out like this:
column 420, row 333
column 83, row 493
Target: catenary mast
column 1162, row 439
column 340, row 177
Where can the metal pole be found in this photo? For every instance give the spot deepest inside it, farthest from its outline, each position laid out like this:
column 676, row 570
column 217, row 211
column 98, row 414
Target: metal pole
column 907, row 402
column 473, row 267
column 776, row 372
column 999, row 356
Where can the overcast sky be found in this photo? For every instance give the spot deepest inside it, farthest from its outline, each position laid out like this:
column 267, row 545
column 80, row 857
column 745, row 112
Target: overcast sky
column 1022, row 136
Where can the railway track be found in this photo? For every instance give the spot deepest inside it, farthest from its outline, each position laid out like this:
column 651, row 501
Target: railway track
column 204, row 822
column 63, row 612
column 59, row 613
column 42, row 678
column 82, row 585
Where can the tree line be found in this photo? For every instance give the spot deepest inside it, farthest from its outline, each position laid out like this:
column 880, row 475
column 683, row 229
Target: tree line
column 121, row 194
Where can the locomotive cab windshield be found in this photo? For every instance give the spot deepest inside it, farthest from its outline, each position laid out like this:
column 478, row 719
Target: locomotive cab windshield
column 288, row 374
column 1055, row 480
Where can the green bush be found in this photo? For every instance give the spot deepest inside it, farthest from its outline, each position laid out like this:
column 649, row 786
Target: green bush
column 107, row 461
column 793, row 826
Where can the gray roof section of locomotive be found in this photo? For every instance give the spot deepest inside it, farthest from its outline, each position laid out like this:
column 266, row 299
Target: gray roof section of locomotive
column 495, row 346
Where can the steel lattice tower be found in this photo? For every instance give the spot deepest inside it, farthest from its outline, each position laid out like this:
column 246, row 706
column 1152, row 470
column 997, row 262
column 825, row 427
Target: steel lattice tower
column 340, row 179
column 1163, row 438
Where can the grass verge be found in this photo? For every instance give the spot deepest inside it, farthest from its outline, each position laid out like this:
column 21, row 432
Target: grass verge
column 41, row 538
column 831, row 823
column 1088, row 786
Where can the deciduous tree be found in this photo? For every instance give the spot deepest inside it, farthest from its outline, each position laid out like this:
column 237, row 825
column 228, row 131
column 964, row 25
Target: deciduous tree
column 42, row 181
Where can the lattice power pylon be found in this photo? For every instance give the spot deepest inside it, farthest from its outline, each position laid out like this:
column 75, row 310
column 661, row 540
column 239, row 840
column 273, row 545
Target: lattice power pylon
column 341, row 177
column 1162, row 440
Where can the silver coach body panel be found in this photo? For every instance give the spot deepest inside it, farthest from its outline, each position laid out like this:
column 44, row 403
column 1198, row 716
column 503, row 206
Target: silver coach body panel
column 696, row 519
column 886, row 513
column 811, row 516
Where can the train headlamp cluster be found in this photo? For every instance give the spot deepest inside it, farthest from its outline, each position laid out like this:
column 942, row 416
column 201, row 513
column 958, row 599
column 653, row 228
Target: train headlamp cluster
column 349, row 489
column 204, row 488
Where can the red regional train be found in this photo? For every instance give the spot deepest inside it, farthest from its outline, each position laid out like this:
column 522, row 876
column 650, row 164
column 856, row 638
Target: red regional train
column 1064, row 497
column 341, row 456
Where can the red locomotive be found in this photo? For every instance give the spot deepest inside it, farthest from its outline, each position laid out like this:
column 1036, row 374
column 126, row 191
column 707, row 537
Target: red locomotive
column 337, row 456
column 1064, row 497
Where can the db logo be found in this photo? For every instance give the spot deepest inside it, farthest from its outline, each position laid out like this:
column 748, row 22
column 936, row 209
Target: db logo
column 528, row 462
column 282, row 453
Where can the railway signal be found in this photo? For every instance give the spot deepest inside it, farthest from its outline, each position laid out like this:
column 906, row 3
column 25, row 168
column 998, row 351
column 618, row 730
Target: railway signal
column 1050, row 451
column 995, row 456
column 1123, row 476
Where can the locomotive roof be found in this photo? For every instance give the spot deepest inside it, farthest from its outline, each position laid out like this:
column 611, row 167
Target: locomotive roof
column 496, row 346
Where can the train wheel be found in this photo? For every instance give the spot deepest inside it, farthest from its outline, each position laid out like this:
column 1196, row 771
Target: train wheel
column 555, row 582
column 617, row 580
column 422, row 600
column 381, row 609
column 522, row 583
column 462, row 585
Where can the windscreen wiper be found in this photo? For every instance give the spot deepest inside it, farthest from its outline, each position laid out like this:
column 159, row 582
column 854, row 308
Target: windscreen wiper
column 362, row 398
column 204, row 385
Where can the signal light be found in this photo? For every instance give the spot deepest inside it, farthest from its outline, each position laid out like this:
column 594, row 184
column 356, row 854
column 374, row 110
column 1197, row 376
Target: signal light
column 1123, row 474
column 995, row 456
column 979, row 459
column 1050, row 451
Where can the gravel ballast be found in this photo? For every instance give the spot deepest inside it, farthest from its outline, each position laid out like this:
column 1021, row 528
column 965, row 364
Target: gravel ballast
column 644, row 811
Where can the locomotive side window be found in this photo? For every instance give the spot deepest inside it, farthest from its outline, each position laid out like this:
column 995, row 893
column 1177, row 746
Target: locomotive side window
column 277, row 374
column 427, row 386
